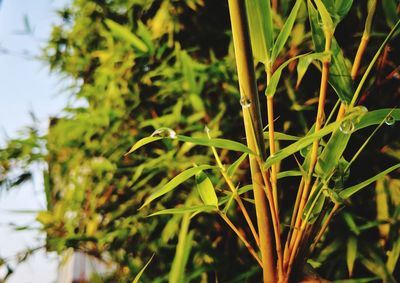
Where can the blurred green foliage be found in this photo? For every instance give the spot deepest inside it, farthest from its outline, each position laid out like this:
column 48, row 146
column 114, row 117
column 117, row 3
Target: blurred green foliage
column 140, row 65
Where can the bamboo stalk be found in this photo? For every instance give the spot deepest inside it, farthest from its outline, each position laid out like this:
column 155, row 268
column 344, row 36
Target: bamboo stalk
column 254, row 134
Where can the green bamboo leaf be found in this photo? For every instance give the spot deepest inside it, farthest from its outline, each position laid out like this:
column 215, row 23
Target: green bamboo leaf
column 206, row 189
column 176, row 181
column 273, row 83
column 351, row 254
column 300, row 144
column 350, row 222
column 285, row 32
column 338, row 9
column 373, row 262
column 184, row 210
column 393, row 256
column 218, row 143
column 333, row 151
column 289, row 173
column 261, row 29
column 182, row 252
column 282, row 136
column 368, row 119
column 377, row 116
column 305, row 62
column 314, row 205
column 346, row 193
column 137, row 277
column 327, row 23
column 125, row 34
column 234, row 166
column 143, row 142
column 339, row 74
column 390, row 10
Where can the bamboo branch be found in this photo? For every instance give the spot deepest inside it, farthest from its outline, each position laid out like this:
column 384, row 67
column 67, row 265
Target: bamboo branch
column 241, row 237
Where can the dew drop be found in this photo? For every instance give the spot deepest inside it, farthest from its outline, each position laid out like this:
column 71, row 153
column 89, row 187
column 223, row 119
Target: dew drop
column 146, row 68
column 390, row 120
column 245, row 102
column 164, row 132
column 347, row 127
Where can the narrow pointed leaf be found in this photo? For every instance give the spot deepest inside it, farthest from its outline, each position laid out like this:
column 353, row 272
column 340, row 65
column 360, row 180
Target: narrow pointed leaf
column 368, row 119
column 273, row 83
column 183, row 210
column 143, row 142
column 235, row 165
column 339, row 74
column 314, row 205
column 176, row 181
column 206, row 189
column 261, row 29
column 338, row 9
column 327, row 22
column 125, row 34
column 137, row 277
column 218, row 143
column 377, row 116
column 305, row 62
column 393, row 256
column 289, row 173
column 351, row 254
column 282, row 136
column 300, row 144
column 285, row 32
column 346, row 193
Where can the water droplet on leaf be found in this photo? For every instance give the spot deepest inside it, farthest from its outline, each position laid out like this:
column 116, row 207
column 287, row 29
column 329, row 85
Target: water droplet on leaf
column 164, row 132
column 245, row 102
column 390, row 120
column 347, row 127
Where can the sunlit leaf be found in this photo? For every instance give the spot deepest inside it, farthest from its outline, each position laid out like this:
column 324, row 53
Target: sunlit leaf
column 182, row 252
column 235, row 165
column 327, row 23
column 346, row 193
column 273, row 83
column 338, row 9
column 137, row 277
column 261, row 29
column 285, row 31
column 282, row 136
column 143, row 142
column 183, row 210
column 393, row 256
column 206, row 189
column 351, row 254
column 305, row 62
column 218, row 143
column 125, row 34
column 176, row 181
column 339, row 74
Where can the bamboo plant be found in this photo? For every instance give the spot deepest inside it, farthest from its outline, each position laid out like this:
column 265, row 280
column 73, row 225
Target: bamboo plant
column 282, row 252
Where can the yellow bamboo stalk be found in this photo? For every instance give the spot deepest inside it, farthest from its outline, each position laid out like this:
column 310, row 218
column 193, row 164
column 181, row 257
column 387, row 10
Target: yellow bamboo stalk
column 253, row 128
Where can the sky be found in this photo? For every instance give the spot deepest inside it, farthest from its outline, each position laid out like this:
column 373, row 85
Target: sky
column 26, row 86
